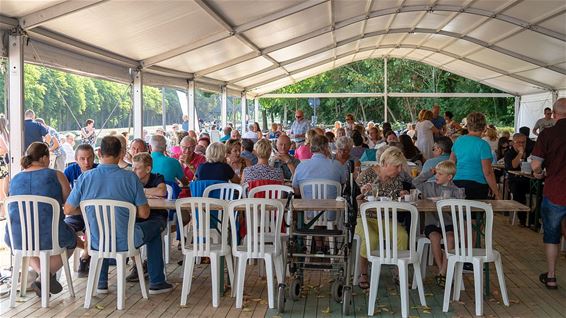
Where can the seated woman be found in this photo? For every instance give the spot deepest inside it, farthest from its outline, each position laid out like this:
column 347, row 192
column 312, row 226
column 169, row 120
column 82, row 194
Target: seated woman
column 359, row 147
column 215, row 167
column 344, row 152
column 37, row 179
column 262, row 170
column 411, row 151
column 304, row 151
column 386, row 179
column 233, row 157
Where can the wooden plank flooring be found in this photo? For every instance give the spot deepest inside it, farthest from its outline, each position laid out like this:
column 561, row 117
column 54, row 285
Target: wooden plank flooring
column 523, row 260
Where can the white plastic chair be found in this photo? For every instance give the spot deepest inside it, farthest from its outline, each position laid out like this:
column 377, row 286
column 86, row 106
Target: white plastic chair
column 323, row 189
column 274, row 191
column 257, row 214
column 228, row 191
column 166, row 235
column 203, row 244
column 464, row 251
column 388, row 253
column 28, row 208
column 105, row 212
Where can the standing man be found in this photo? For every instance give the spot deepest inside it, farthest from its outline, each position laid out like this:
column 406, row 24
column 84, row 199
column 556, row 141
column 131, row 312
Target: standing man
column 543, row 123
column 300, row 126
column 518, row 185
column 438, row 121
column 33, row 131
column 110, row 182
column 55, row 147
column 69, row 148
column 185, row 124
column 84, row 161
column 550, row 152
column 282, row 159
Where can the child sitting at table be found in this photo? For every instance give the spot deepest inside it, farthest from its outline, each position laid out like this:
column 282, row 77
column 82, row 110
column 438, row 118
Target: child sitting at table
column 441, row 187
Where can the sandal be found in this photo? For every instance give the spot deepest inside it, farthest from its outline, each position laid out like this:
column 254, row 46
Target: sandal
column 363, row 282
column 440, row 280
column 545, row 280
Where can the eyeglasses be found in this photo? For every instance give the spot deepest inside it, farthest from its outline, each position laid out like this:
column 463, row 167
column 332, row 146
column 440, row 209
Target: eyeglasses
column 188, row 147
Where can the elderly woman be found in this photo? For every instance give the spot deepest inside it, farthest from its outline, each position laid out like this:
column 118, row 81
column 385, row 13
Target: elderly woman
column 344, row 151
column 385, row 180
column 37, row 179
column 473, row 159
column 304, row 151
column 215, row 167
column 233, row 157
column 262, row 170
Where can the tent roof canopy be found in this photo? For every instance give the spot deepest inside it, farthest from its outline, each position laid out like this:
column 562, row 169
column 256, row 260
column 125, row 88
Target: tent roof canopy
column 517, row 46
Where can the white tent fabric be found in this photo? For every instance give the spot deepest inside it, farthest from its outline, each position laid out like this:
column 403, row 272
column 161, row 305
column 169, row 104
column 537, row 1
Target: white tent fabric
column 517, row 46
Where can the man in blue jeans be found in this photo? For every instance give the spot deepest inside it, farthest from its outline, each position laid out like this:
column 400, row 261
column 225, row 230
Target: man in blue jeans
column 550, row 152
column 110, row 182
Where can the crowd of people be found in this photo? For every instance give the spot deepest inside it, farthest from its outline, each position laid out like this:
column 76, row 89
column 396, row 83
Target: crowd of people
column 448, row 159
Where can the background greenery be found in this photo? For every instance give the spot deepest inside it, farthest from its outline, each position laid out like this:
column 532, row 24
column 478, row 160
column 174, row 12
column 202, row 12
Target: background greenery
column 55, row 95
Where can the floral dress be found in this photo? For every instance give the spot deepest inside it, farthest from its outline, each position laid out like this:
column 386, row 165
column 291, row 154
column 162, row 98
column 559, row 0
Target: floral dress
column 390, row 188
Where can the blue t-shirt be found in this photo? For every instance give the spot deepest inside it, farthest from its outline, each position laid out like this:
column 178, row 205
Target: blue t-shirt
column 438, row 122
column 73, row 172
column 109, row 182
column 169, row 167
column 33, row 131
column 469, row 152
column 214, row 171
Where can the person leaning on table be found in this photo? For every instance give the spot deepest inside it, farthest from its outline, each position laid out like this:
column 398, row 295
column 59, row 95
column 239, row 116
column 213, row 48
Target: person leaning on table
column 387, row 178
column 550, row 152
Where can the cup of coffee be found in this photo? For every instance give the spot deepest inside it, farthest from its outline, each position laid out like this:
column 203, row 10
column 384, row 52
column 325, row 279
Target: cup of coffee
column 384, row 199
column 407, row 198
column 370, row 198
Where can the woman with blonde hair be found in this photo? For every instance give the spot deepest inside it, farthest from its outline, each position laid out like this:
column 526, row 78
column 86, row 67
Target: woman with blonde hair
column 490, row 135
column 262, row 170
column 382, row 180
column 425, row 134
column 304, row 151
column 215, row 167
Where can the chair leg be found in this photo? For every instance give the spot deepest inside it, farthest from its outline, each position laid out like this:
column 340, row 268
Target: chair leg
column 188, row 264
column 24, row 280
column 373, row 287
column 215, row 275
column 269, row 276
column 279, row 269
column 141, row 277
column 15, row 277
column 90, row 281
column 501, row 279
column 478, row 285
column 167, row 244
column 420, row 253
column 121, row 282
column 98, row 268
column 419, row 280
column 230, row 266
column 404, row 288
column 240, row 281
column 76, row 260
column 45, row 278
column 449, row 278
column 67, row 269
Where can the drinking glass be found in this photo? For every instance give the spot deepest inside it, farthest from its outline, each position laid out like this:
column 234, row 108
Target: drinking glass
column 460, row 193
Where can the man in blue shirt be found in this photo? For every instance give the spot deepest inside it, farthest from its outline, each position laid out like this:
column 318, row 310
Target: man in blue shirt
column 438, row 121
column 227, row 132
column 110, row 182
column 84, row 157
column 169, row 167
column 440, row 151
column 300, row 126
column 33, row 131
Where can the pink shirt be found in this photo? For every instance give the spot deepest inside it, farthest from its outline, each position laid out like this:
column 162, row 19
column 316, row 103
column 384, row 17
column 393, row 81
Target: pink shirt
column 190, row 169
column 303, row 153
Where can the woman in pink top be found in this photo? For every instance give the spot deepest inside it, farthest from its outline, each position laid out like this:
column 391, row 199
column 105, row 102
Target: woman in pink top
column 304, row 151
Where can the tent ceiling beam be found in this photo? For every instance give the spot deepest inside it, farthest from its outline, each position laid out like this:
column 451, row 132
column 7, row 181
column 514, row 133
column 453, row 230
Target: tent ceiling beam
column 376, row 95
column 59, row 10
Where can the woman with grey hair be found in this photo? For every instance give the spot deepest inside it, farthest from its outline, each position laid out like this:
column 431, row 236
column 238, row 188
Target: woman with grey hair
column 215, row 167
column 343, row 151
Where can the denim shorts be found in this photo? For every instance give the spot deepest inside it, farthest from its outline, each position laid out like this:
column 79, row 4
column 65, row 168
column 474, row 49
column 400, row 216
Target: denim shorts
column 552, row 215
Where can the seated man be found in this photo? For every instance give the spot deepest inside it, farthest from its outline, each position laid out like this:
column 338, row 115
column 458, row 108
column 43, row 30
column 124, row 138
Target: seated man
column 189, row 159
column 247, row 151
column 282, row 159
column 84, row 157
column 169, row 167
column 136, row 146
column 110, row 182
column 518, row 185
column 153, row 187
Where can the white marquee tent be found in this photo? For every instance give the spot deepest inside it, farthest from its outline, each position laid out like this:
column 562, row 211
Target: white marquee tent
column 251, row 47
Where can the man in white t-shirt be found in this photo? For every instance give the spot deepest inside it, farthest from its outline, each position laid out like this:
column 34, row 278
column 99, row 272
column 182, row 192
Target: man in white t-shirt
column 250, row 134
column 69, row 146
column 545, row 122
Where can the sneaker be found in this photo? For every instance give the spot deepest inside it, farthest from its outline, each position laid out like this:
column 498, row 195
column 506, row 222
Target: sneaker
column 54, row 286
column 133, row 276
column 84, row 266
column 102, row 289
column 160, row 288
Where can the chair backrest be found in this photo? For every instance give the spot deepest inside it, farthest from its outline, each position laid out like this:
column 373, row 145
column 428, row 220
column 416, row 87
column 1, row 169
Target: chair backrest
column 225, row 191
column 274, row 191
column 170, row 192
column 108, row 221
column 320, row 189
column 28, row 213
column 197, row 187
column 257, row 213
column 258, row 183
column 203, row 235
column 461, row 212
column 386, row 216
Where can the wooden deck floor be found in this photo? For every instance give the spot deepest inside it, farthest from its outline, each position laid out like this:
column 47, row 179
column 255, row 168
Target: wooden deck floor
column 523, row 260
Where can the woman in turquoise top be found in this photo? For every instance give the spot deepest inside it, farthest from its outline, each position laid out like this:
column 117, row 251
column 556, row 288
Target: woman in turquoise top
column 473, row 159
column 38, row 179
